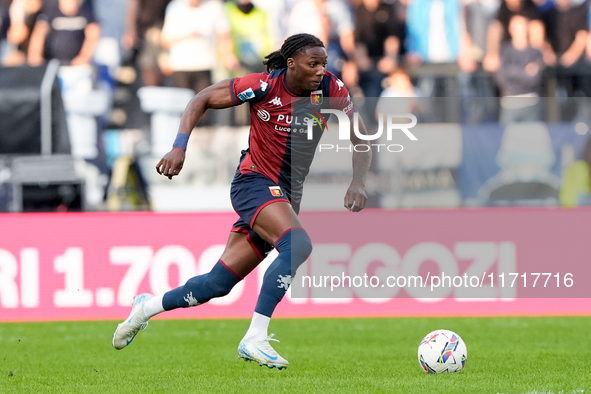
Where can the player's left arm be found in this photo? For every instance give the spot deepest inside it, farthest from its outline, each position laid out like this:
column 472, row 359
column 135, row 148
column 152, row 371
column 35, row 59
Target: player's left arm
column 356, row 198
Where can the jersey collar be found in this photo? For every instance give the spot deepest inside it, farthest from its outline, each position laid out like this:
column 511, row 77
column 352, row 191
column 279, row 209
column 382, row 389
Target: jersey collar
column 290, row 90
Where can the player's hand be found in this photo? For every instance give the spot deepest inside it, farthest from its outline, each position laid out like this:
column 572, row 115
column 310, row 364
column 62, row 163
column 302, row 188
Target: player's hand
column 172, row 163
column 355, row 199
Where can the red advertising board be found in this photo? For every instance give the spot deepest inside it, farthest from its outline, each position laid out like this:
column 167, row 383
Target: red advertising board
column 513, row 261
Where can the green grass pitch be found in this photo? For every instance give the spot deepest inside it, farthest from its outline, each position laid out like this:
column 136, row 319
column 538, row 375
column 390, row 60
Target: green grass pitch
column 375, row 355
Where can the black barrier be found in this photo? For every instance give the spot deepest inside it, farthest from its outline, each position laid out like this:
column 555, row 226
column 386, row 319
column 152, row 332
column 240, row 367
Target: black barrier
column 21, row 120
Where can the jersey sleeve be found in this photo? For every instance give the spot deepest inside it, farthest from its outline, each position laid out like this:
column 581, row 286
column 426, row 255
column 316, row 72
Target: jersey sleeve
column 251, row 88
column 340, row 98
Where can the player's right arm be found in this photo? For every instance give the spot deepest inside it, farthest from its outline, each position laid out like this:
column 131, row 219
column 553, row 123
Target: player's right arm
column 216, row 96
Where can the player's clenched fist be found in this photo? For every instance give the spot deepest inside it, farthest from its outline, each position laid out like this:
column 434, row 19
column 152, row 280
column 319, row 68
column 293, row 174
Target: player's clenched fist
column 355, row 198
column 172, row 163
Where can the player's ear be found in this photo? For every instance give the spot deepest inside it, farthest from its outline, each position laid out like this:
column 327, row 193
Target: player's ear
column 290, row 62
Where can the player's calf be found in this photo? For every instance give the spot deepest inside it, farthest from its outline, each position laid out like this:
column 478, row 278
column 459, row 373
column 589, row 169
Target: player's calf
column 200, row 289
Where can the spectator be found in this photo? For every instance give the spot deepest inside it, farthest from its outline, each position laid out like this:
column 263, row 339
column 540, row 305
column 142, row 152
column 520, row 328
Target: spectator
column 576, row 181
column 567, row 35
column 67, row 31
column 436, row 35
column 332, row 22
column 566, row 31
column 143, row 36
column 4, row 26
column 519, row 76
column 23, row 15
column 193, row 31
column 398, row 85
column 379, row 41
column 278, row 12
column 307, row 16
column 498, row 31
column 479, row 14
column 341, row 35
column 251, row 34
column 435, row 31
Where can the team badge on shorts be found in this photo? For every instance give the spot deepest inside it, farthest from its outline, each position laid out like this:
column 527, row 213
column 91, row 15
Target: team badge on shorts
column 276, row 191
column 316, row 97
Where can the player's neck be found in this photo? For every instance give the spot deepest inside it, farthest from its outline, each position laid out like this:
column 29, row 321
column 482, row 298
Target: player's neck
column 292, row 83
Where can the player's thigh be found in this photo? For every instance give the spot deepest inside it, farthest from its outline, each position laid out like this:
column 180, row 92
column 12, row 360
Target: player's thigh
column 239, row 255
column 274, row 220
column 263, row 205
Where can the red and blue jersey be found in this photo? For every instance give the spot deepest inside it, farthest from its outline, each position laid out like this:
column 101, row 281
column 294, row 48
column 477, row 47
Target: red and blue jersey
column 279, row 147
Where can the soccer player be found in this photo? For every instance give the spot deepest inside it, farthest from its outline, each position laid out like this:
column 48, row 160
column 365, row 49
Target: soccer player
column 266, row 190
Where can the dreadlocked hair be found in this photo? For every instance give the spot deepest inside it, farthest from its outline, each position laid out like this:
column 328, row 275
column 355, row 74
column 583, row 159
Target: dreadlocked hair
column 298, row 43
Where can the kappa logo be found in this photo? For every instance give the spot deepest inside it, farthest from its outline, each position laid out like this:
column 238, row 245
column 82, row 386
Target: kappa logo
column 284, row 282
column 263, row 85
column 276, row 101
column 264, row 115
column 340, row 83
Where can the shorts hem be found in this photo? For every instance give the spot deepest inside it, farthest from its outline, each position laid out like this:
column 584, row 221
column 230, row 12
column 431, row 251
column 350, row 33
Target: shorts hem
column 249, row 240
column 251, row 224
column 231, row 270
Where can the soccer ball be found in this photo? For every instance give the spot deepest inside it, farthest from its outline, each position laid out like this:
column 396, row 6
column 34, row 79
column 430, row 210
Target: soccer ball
column 442, row 351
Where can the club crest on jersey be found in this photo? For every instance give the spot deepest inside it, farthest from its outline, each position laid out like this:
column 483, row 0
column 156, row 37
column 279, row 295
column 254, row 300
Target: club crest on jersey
column 316, row 97
column 246, row 95
column 276, row 191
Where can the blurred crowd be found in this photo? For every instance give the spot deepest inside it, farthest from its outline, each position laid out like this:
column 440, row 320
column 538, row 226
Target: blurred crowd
column 189, row 43
column 515, row 51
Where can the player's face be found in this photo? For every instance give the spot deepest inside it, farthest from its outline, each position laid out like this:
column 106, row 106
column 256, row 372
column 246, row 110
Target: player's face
column 308, row 68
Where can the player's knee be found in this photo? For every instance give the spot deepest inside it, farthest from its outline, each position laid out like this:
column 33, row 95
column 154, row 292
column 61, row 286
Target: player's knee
column 301, row 245
column 218, row 289
column 297, row 244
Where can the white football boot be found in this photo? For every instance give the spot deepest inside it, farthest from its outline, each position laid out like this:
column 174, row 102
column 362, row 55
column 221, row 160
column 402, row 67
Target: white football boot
column 136, row 321
column 261, row 352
